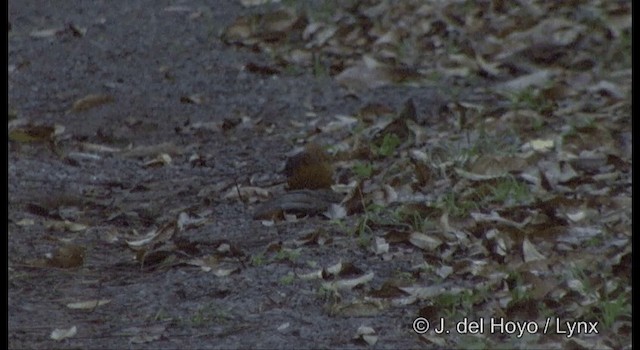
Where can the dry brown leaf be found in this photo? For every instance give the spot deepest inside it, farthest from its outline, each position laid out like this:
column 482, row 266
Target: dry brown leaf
column 32, row 133
column 91, row 101
column 68, row 256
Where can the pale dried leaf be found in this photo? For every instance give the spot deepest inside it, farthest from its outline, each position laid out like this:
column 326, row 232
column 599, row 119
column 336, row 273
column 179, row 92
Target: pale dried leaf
column 162, row 234
column 45, row 33
column 444, row 271
column 65, row 225
column 536, row 79
column 220, row 272
column 423, row 241
column 334, row 269
column 61, row 334
column 366, row 333
column 380, row 246
column 160, row 160
column 283, row 326
column 186, row 221
column 529, row 252
column 25, row 222
column 348, row 283
column 313, row 275
column 98, row 148
column 247, row 192
column 335, row 211
column 89, row 304
column 539, row 145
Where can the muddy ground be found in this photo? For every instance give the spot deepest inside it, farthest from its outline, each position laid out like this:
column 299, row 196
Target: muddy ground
column 150, row 59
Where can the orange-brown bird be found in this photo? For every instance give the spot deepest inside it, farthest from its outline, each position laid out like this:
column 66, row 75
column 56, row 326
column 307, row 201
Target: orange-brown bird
column 309, row 169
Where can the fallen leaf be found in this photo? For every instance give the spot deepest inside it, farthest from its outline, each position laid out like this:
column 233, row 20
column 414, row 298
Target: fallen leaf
column 89, row 304
column 68, row 256
column 529, row 252
column 91, row 101
column 61, row 334
column 348, row 283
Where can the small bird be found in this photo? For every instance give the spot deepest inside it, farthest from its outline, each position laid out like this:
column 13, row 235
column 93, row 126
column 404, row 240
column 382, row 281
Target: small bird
column 309, row 169
column 309, row 179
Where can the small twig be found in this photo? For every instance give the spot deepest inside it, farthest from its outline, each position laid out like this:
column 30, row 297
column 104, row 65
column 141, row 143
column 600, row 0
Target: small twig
column 239, row 193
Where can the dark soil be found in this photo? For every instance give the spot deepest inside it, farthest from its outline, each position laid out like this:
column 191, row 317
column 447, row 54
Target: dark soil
column 151, row 58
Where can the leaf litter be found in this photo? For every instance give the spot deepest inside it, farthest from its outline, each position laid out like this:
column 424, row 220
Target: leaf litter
column 552, row 133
